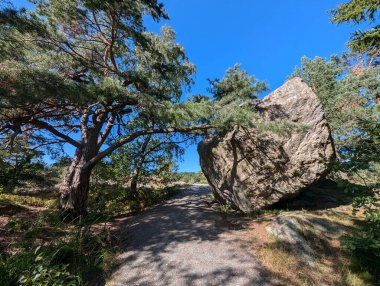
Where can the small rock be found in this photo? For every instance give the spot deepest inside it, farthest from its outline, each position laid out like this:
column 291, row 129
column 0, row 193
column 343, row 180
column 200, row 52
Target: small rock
column 302, row 231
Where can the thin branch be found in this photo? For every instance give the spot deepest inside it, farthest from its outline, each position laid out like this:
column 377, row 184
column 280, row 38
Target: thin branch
column 54, row 131
column 133, row 136
column 107, row 130
column 47, row 143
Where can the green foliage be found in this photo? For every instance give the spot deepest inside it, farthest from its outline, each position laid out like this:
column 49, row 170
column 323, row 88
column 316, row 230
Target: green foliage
column 358, row 11
column 355, row 11
column 107, row 201
column 349, row 88
column 364, row 246
column 21, row 200
column 35, row 268
column 365, row 251
column 226, row 208
column 234, row 96
column 147, row 158
column 77, row 59
column 18, row 166
column 190, row 177
column 72, row 259
column 236, row 84
column 71, row 254
column 59, row 62
column 41, row 272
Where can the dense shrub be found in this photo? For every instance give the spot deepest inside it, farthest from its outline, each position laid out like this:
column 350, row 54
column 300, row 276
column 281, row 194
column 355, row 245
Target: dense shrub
column 72, row 254
column 364, row 246
column 35, row 268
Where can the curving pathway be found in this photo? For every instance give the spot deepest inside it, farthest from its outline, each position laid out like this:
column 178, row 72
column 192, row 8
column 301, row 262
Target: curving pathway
column 184, row 242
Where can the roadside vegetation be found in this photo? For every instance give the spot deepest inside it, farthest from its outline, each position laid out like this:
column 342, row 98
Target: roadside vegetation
column 88, row 74
column 302, row 241
column 38, row 248
column 190, row 178
column 349, row 88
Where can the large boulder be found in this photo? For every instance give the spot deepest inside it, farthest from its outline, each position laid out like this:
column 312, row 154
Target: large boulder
column 252, row 169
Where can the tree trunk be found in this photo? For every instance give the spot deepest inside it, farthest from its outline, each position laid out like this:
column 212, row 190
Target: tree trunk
column 133, row 186
column 139, row 165
column 73, row 192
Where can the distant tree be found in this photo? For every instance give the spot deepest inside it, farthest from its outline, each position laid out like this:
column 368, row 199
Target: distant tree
column 88, row 74
column 147, row 158
column 18, row 163
column 191, row 177
column 63, row 162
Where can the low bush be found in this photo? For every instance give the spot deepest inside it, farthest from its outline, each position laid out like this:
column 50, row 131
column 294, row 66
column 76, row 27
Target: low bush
column 35, row 268
column 71, row 254
column 364, row 245
column 73, row 259
column 107, row 201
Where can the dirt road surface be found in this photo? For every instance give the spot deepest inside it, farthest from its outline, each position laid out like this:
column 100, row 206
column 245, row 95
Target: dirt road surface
column 184, row 242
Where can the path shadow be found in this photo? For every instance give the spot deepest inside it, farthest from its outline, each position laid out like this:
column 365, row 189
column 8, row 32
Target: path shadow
column 322, row 195
column 9, row 209
column 184, row 242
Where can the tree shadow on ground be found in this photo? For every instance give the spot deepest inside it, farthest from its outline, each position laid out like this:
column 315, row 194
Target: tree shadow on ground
column 184, row 242
column 9, row 209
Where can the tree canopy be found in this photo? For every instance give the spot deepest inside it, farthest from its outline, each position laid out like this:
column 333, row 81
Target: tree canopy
column 89, row 74
column 358, row 11
column 349, row 88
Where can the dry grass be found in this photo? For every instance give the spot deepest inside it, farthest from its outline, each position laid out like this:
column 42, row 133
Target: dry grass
column 23, row 200
column 286, row 267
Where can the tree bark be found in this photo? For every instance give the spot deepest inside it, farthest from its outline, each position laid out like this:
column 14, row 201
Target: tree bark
column 73, row 192
column 133, row 186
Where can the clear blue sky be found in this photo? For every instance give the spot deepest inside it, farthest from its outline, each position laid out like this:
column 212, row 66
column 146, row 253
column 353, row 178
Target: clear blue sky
column 268, row 37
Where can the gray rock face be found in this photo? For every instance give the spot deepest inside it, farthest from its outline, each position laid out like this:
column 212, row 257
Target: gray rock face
column 252, row 170
column 303, row 231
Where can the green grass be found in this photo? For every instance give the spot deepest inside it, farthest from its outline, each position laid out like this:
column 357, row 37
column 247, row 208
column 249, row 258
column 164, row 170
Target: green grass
column 23, row 200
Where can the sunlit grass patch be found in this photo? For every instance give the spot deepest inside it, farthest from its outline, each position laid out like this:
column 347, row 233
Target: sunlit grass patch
column 22, row 200
column 331, row 265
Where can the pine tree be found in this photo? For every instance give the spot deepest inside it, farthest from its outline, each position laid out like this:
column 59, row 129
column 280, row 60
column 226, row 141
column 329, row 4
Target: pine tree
column 349, row 88
column 88, row 73
column 358, row 11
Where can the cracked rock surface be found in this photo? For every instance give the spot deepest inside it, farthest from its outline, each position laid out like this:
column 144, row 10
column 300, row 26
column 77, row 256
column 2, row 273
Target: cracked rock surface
column 252, row 170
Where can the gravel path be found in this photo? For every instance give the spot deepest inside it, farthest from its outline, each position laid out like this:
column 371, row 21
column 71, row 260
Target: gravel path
column 184, row 242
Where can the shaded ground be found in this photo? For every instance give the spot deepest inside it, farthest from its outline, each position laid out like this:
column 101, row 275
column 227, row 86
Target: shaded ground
column 184, row 242
column 9, row 212
column 324, row 194
column 298, row 240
